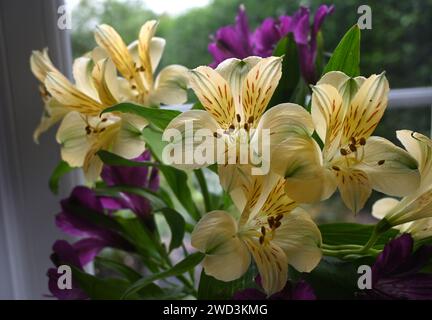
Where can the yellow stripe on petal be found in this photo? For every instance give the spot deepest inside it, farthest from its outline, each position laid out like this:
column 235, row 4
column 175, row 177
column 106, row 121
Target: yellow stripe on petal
column 328, row 115
column 215, row 95
column 366, row 108
column 107, row 38
column 67, row 94
column 259, row 86
column 272, row 265
column 41, row 64
column 354, row 187
column 100, row 75
column 145, row 36
column 278, row 203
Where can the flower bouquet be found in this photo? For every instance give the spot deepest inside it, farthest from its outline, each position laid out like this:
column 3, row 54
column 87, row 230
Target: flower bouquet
column 210, row 199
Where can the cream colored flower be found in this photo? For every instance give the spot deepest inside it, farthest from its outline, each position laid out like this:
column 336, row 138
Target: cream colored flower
column 137, row 64
column 235, row 96
column 345, row 112
column 41, row 65
column 412, row 213
column 270, row 229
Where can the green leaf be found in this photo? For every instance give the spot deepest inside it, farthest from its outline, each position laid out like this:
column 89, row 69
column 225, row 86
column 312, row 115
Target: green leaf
column 352, row 233
column 127, row 272
column 112, row 159
column 177, row 224
column 100, row 289
column 61, row 169
column 158, row 117
column 290, row 70
column 183, row 266
column 153, row 138
column 346, row 56
column 212, row 289
column 336, row 279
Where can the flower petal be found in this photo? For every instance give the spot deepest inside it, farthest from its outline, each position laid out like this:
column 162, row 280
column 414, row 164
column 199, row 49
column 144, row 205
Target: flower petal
column 53, row 113
column 129, row 143
column 383, row 206
column 144, row 42
column 181, row 134
column 82, row 76
column 234, row 71
column 272, row 265
column 299, row 160
column 354, row 187
column 157, row 46
column 171, row 85
column 390, row 169
column 227, row 257
column 300, row 239
column 41, row 64
column 215, row 95
column 72, row 137
column 259, row 86
column 366, row 108
column 67, row 94
column 104, row 76
column 419, row 146
column 328, row 115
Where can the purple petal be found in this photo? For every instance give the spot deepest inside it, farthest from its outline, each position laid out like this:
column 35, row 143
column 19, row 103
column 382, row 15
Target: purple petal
column 64, row 253
column 233, row 41
column 303, row 291
column 63, row 294
column 87, row 249
column 320, row 15
column 129, row 176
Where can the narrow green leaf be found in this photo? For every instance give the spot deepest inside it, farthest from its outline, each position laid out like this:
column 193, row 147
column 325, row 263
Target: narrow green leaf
column 127, row 272
column 346, row 56
column 112, row 159
column 158, row 117
column 59, row 171
column 176, row 223
column 352, row 233
column 183, row 266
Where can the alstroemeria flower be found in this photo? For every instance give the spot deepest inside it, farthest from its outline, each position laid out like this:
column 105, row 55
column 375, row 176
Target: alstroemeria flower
column 396, row 273
column 138, row 62
column 237, row 41
column 235, row 96
column 274, row 232
column 64, row 253
column 140, row 177
column 53, row 112
column 345, row 112
column 412, row 213
column 73, row 221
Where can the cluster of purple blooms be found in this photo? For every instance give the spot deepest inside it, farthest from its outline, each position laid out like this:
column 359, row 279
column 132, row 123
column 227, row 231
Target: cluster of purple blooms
column 238, row 41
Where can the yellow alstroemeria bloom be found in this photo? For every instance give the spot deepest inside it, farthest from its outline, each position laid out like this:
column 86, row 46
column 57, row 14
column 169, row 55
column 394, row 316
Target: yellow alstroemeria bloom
column 137, row 64
column 85, row 131
column 273, row 232
column 345, row 112
column 413, row 213
column 235, row 96
column 53, row 112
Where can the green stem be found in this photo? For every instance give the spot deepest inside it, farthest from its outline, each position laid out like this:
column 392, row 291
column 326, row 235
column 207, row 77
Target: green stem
column 204, row 189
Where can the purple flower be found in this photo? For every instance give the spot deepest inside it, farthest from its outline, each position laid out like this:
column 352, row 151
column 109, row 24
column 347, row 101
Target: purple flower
column 64, row 253
column 140, row 177
column 396, row 272
column 74, row 219
column 234, row 41
column 238, row 42
column 299, row 291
